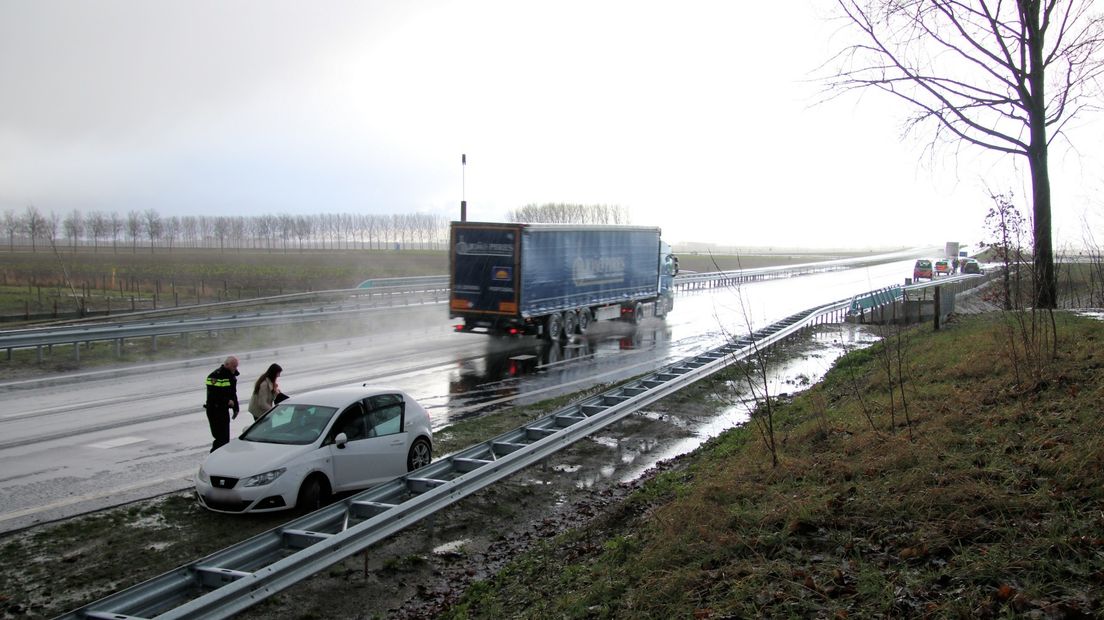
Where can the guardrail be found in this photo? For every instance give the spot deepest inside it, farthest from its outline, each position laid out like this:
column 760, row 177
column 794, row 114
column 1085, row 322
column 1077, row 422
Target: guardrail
column 231, row 580
column 872, row 304
column 352, row 302
column 726, row 278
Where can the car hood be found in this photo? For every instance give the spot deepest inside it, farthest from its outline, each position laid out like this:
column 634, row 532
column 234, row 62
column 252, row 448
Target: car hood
column 241, row 459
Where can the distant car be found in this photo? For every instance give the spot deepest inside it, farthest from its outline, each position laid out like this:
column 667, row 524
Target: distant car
column 943, row 267
column 970, row 265
column 922, row 269
column 316, row 444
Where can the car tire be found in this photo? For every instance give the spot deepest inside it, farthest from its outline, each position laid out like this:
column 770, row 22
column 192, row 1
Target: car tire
column 313, row 494
column 421, row 454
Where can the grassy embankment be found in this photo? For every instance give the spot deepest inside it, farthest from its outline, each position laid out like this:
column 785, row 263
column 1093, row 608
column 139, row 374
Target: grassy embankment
column 989, row 504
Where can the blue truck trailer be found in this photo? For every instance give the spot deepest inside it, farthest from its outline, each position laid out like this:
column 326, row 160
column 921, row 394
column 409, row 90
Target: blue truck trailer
column 555, row 280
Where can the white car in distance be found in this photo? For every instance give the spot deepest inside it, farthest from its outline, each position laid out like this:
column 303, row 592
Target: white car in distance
column 316, row 444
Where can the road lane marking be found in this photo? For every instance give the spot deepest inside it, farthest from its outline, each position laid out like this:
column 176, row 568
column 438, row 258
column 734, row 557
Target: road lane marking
column 117, row 442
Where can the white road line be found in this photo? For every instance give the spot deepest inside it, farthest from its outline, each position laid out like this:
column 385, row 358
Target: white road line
column 117, row 442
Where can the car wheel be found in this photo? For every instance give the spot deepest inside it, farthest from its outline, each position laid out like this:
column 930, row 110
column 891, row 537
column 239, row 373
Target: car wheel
column 312, row 495
column 421, row 454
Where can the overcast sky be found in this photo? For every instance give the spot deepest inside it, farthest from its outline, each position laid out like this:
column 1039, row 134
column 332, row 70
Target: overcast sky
column 696, row 116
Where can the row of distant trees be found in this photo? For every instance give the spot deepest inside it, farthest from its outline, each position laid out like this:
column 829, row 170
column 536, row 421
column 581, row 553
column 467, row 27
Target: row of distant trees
column 149, row 229
column 567, row 213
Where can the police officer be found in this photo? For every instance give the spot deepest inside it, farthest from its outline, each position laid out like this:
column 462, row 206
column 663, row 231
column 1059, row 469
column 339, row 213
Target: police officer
column 222, row 396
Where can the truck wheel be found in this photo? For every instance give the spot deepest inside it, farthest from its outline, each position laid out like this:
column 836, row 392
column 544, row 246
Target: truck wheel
column 585, row 319
column 571, row 323
column 553, row 327
column 638, row 313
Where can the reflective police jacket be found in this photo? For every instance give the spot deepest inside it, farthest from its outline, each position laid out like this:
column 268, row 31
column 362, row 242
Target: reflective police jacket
column 222, row 388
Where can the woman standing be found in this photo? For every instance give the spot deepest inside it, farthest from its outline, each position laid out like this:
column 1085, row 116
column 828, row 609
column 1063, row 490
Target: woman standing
column 265, row 391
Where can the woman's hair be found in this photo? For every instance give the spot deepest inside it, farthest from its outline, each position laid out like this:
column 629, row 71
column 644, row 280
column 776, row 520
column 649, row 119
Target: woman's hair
column 270, row 374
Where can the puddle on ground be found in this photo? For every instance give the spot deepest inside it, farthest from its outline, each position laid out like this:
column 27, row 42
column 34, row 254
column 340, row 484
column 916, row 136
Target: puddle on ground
column 635, row 449
column 794, row 373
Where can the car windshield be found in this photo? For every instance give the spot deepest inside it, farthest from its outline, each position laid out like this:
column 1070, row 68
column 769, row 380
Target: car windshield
column 923, row 264
column 291, row 424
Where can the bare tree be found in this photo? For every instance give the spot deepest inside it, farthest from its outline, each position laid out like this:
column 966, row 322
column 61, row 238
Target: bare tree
column 206, row 229
column 287, row 229
column 97, row 228
column 49, row 229
column 1001, row 75
column 189, row 231
column 1005, row 223
column 134, row 229
column 304, row 228
column 151, row 221
column 73, row 225
column 239, row 231
column 116, row 224
column 12, row 224
column 33, row 223
column 221, row 230
column 173, row 227
column 374, row 225
column 562, row 213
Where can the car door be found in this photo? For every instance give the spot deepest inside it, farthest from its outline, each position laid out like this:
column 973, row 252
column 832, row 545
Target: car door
column 372, row 452
column 386, row 429
column 351, row 462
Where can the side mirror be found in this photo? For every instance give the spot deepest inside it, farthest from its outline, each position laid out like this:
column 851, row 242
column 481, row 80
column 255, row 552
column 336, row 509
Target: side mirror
column 341, row 440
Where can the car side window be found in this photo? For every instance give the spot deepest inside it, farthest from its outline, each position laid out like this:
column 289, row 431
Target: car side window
column 353, row 422
column 385, row 415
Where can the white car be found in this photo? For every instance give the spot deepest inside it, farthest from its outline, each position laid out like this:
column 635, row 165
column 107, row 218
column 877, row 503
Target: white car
column 316, row 444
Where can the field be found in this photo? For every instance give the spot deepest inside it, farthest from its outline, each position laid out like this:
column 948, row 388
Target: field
column 37, row 282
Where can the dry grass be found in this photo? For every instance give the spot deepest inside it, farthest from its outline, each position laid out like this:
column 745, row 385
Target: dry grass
column 36, row 280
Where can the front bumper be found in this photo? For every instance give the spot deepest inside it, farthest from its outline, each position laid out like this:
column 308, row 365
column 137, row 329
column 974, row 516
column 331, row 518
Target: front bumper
column 267, row 498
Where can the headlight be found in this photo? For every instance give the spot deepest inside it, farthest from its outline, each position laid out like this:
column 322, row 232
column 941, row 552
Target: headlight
column 203, row 477
column 262, row 479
